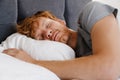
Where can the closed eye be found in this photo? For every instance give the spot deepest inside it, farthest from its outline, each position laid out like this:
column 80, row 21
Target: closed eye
column 48, row 26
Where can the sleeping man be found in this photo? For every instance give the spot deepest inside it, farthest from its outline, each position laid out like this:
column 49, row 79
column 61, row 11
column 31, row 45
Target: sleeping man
column 39, row 49
column 96, row 43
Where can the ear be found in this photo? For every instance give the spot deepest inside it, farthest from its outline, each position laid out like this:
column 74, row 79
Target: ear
column 61, row 21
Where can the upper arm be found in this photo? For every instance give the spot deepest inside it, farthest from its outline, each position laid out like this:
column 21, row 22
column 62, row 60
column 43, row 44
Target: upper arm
column 105, row 36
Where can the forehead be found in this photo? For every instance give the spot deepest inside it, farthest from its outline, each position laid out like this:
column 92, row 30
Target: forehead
column 41, row 21
column 38, row 25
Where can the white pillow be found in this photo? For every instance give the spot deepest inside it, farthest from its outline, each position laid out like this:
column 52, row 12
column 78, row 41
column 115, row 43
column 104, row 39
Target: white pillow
column 39, row 49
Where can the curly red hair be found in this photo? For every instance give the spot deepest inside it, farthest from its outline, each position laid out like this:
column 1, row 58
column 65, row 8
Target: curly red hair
column 26, row 27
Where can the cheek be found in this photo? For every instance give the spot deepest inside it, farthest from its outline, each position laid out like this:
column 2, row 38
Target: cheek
column 64, row 38
column 32, row 35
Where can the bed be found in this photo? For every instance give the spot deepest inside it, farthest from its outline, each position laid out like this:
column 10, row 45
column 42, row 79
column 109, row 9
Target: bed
column 13, row 11
column 14, row 69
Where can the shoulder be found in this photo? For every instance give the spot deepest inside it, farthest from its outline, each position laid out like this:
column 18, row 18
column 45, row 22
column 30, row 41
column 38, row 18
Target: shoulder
column 105, row 33
column 94, row 12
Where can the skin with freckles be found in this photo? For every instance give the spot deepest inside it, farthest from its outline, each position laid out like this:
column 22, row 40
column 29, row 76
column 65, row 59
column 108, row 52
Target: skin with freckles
column 47, row 29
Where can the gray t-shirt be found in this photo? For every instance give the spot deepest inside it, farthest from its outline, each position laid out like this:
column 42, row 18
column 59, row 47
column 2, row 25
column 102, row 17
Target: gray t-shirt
column 91, row 13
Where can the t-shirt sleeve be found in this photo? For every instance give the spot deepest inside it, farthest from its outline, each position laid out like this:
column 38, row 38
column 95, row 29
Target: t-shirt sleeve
column 93, row 12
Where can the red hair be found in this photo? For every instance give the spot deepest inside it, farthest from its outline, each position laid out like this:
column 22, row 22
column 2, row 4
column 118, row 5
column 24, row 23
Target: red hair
column 26, row 27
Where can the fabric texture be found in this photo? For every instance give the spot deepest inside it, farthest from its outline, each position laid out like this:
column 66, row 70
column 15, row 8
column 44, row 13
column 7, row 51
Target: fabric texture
column 29, row 7
column 8, row 11
column 14, row 69
column 8, row 17
column 39, row 49
column 72, row 11
column 92, row 13
column 6, row 30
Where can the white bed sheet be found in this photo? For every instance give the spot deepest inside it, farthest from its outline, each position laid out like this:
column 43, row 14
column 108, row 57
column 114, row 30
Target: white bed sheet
column 14, row 69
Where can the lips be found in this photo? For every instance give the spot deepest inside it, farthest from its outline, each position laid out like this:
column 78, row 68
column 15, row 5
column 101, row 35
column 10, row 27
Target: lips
column 55, row 36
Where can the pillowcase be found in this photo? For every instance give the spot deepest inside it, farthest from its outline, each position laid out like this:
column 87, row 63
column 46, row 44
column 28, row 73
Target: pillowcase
column 39, row 49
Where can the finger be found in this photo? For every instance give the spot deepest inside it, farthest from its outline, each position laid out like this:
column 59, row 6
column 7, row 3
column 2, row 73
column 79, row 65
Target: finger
column 10, row 52
column 11, row 49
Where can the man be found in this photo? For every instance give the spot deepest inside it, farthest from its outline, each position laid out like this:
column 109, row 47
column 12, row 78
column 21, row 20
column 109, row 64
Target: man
column 96, row 43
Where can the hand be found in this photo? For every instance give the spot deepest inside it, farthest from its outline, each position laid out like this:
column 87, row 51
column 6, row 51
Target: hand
column 19, row 54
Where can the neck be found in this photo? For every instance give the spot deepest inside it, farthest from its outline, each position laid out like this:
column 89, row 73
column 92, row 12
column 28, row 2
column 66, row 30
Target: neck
column 72, row 39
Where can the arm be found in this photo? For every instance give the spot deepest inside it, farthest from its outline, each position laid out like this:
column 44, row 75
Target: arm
column 102, row 65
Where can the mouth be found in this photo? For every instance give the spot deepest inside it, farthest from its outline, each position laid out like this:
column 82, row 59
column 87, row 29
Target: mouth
column 55, row 36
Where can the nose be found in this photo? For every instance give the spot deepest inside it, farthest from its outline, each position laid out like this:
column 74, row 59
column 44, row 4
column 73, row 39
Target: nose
column 49, row 34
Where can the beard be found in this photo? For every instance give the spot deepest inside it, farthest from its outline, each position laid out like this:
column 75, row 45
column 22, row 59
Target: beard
column 65, row 37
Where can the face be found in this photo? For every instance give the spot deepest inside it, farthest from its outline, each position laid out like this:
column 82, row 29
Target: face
column 48, row 29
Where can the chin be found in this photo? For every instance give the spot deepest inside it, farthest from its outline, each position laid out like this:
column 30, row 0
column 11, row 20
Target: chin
column 64, row 42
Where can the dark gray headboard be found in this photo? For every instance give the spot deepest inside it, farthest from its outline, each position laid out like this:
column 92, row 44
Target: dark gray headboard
column 12, row 11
